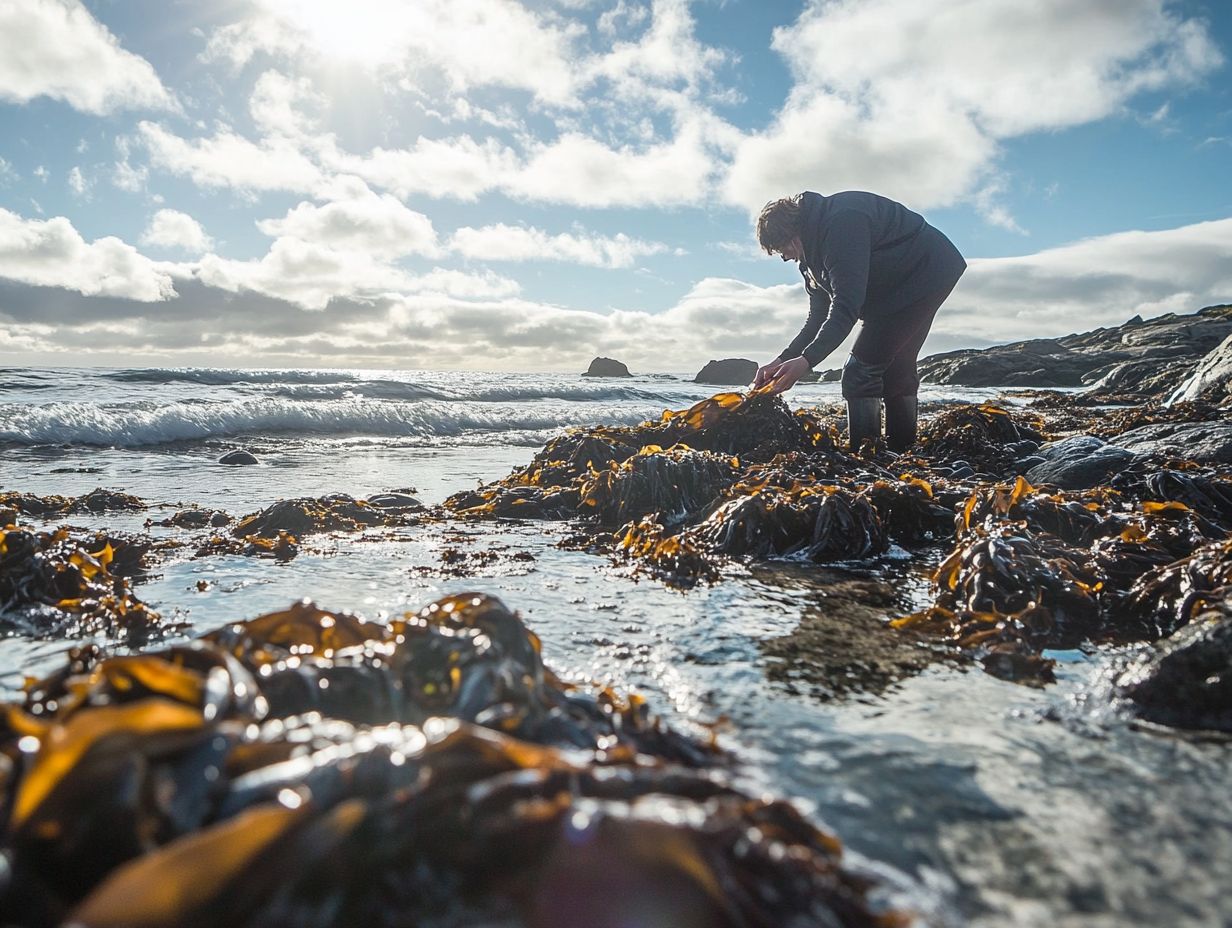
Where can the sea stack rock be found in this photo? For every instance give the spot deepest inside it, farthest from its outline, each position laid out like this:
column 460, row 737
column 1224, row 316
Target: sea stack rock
column 728, row 372
column 606, row 367
column 238, row 457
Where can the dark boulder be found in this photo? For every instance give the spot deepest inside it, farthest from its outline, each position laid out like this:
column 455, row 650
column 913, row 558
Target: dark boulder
column 1078, row 462
column 238, row 458
column 1206, row 442
column 1186, row 681
column 606, row 367
column 728, row 372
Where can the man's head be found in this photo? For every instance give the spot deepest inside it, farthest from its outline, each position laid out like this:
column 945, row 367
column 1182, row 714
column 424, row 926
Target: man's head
column 779, row 227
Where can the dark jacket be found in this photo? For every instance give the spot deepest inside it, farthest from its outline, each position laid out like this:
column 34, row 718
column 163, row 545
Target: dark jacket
column 865, row 257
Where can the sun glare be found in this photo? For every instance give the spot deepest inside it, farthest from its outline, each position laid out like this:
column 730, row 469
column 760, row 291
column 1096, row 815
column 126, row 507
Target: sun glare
column 351, row 33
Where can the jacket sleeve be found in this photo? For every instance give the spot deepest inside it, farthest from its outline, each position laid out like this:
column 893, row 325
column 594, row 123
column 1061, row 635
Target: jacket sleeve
column 845, row 255
column 819, row 306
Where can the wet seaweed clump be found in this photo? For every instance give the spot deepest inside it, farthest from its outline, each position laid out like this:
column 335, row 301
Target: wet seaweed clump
column 193, row 518
column 1172, row 595
column 74, row 585
column 198, row 786
column 1005, row 594
column 50, row 507
column 986, row 437
column 337, row 512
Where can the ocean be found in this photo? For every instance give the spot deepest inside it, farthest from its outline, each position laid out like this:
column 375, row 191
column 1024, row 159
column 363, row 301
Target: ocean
column 973, row 800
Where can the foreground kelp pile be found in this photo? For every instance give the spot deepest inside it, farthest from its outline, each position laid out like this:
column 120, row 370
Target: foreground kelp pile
column 309, row 768
column 1028, row 568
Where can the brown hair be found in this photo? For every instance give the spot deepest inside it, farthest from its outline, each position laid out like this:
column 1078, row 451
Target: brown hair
column 780, row 221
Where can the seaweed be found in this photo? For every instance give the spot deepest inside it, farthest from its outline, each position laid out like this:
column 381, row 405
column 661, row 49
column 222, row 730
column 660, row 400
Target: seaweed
column 61, row 583
column 442, row 776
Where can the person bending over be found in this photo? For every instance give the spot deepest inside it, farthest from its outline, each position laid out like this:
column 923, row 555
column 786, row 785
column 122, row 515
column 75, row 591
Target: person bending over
column 863, row 257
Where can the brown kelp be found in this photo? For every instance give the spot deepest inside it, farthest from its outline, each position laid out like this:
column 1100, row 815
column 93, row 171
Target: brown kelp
column 428, row 771
column 74, row 584
column 51, row 507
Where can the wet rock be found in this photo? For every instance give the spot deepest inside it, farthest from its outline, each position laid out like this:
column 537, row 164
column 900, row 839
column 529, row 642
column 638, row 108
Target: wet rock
column 606, row 367
column 1078, row 462
column 1205, row 442
column 1142, row 358
column 1211, row 378
column 237, row 458
column 1186, row 681
column 733, row 372
column 396, row 503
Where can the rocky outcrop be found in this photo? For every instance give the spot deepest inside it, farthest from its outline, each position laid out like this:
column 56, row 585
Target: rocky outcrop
column 1211, row 379
column 728, row 372
column 1204, row 442
column 1145, row 359
column 606, row 367
column 238, row 458
column 1078, row 462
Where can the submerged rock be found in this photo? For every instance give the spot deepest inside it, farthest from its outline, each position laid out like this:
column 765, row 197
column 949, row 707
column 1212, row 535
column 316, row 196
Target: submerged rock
column 238, row 458
column 606, row 367
column 730, row 372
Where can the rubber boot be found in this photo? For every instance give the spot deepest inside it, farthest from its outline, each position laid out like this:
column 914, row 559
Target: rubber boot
column 901, row 414
column 863, row 420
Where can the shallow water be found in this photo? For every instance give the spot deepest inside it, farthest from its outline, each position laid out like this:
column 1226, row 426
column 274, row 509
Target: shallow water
column 955, row 786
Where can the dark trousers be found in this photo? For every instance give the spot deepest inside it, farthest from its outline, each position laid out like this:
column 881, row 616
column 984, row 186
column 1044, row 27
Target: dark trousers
column 883, row 358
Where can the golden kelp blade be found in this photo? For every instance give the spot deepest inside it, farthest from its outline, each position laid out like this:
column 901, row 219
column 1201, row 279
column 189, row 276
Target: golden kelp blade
column 155, row 889
column 65, row 744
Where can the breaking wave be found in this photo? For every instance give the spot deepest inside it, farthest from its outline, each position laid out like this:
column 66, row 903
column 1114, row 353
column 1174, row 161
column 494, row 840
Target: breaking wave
column 139, row 425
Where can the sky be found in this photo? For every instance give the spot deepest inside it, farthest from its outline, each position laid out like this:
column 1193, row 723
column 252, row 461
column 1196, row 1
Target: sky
column 494, row 185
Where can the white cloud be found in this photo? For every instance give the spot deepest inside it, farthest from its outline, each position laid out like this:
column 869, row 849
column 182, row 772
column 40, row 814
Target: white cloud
column 502, row 242
column 281, row 105
column 55, row 48
column 358, row 220
column 170, row 228
column 78, row 183
column 42, row 173
column 582, row 171
column 896, row 95
column 460, row 167
column 7, row 174
column 129, row 178
column 52, row 253
column 1094, row 282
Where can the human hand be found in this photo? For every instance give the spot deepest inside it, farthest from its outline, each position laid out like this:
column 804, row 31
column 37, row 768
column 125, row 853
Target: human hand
column 766, row 373
column 788, row 373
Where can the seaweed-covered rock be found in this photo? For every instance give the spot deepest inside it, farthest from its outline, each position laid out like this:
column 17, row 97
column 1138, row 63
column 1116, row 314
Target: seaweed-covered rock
column 1186, row 680
column 47, row 507
column 337, row 512
column 62, row 583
